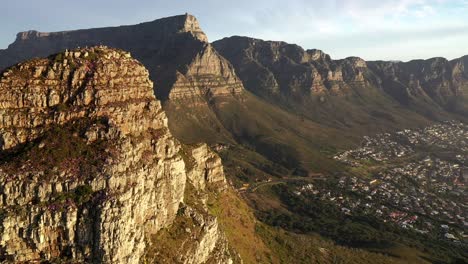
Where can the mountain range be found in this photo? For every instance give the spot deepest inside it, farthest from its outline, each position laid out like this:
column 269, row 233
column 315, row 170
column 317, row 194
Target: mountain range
column 268, row 108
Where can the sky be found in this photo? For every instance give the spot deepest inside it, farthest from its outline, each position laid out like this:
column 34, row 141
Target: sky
column 370, row 29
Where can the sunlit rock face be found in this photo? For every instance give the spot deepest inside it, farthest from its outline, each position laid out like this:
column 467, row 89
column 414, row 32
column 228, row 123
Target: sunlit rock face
column 89, row 168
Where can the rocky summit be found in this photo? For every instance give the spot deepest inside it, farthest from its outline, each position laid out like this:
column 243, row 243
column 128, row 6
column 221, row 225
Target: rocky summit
column 89, row 169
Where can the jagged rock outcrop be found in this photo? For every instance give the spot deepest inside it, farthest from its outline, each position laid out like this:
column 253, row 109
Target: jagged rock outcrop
column 195, row 235
column 207, row 75
column 205, row 168
column 186, row 70
column 204, row 242
column 175, row 50
column 89, row 168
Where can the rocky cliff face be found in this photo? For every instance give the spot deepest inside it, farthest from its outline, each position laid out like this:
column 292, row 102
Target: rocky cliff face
column 204, row 168
column 431, row 79
column 278, row 67
column 460, row 69
column 89, row 168
column 208, row 75
column 269, row 67
column 175, row 50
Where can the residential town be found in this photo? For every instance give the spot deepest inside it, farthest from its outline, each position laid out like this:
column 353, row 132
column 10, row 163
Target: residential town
column 447, row 136
column 418, row 182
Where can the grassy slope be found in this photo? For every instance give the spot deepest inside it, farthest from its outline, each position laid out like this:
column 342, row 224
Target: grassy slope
column 297, row 136
column 260, row 243
column 282, row 137
column 267, row 135
column 363, row 111
column 238, row 223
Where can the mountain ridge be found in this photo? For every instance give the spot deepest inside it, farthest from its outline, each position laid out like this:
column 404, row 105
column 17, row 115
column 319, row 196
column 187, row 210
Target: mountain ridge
column 270, row 68
column 199, row 88
column 275, row 113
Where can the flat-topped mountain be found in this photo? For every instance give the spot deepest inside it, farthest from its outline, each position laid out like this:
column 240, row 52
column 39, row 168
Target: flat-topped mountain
column 185, row 68
column 175, row 50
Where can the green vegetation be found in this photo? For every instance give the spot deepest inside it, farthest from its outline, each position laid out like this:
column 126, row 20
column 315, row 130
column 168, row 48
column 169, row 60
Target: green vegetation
column 59, row 57
column 312, row 215
column 92, row 56
column 276, row 245
column 265, row 140
column 247, row 166
column 80, row 195
column 290, row 247
column 61, row 148
column 167, row 244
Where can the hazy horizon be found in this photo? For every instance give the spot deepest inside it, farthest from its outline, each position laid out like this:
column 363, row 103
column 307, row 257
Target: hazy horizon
column 389, row 30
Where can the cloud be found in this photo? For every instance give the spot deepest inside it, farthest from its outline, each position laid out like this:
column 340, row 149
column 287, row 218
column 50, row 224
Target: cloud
column 335, row 16
column 343, row 27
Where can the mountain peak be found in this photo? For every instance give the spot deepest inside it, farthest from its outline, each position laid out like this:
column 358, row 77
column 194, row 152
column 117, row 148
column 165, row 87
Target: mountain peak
column 185, row 23
column 316, row 54
column 77, row 83
column 191, row 25
column 84, row 128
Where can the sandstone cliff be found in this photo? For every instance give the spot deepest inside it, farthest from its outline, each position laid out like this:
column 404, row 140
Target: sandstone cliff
column 424, row 79
column 89, row 168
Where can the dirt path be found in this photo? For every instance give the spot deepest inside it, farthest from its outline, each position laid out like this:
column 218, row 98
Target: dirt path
column 255, row 186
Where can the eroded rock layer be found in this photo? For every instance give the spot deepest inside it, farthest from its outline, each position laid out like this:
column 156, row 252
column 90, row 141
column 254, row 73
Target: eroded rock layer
column 89, row 169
